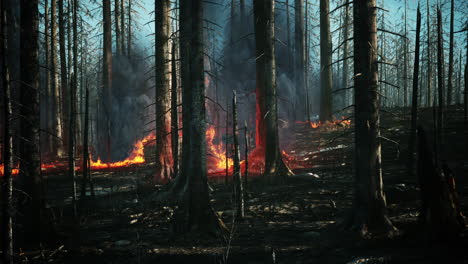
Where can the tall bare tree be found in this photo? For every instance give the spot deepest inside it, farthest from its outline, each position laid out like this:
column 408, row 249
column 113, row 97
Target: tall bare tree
column 267, row 138
column 450, row 65
column 63, row 60
column 299, row 57
column 118, row 42
column 194, row 212
column 107, row 73
column 429, row 57
column 164, row 160
column 440, row 78
column 325, row 62
column 370, row 206
column 7, row 180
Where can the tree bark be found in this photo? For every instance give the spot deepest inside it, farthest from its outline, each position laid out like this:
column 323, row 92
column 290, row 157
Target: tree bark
column 450, row 66
column 122, row 27
column 30, row 177
column 107, row 75
column 246, row 155
column 405, row 62
column 267, row 138
column 440, row 80
column 414, row 104
column 164, row 161
column 299, row 58
column 238, row 188
column 117, row 26
column 129, row 31
column 48, row 93
column 369, row 215
column 194, row 212
column 174, row 112
column 85, row 146
column 345, row 53
column 325, row 63
column 73, row 101
column 63, row 61
column 465, row 96
column 429, row 59
column 7, row 179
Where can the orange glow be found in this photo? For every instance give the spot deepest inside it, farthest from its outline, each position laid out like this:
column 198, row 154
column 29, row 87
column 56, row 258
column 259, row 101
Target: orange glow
column 137, row 156
column 216, row 158
column 14, row 171
column 328, row 125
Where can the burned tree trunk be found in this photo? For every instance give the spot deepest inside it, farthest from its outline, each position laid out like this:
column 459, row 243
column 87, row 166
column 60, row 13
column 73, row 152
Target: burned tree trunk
column 238, row 188
column 30, row 177
column 465, row 92
column 194, row 212
column 50, row 140
column 440, row 80
column 405, row 61
column 429, row 59
column 63, row 61
column 266, row 108
column 7, row 179
column 164, row 161
column 414, row 104
column 440, row 211
column 345, row 53
column 325, row 63
column 122, row 27
column 450, row 66
column 117, row 26
column 174, row 113
column 369, row 215
column 58, row 125
column 71, row 142
column 107, row 75
column 129, row 31
column 299, row 57
column 85, row 146
column 246, row 155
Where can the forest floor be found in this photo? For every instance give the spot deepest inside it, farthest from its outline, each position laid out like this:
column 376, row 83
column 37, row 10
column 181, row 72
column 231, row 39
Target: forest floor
column 300, row 220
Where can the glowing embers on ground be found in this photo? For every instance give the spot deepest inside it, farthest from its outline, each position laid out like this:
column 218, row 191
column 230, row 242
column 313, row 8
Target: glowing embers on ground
column 137, row 156
column 328, row 125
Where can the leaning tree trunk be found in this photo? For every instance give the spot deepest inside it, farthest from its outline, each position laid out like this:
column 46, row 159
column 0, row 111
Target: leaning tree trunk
column 414, row 104
column 450, row 66
column 107, row 75
column 370, row 214
column 30, row 178
column 267, row 108
column 299, row 57
column 325, row 62
column 7, row 179
column 194, row 212
column 164, row 161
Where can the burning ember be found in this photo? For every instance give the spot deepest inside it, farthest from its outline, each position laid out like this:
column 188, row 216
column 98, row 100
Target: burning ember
column 216, row 156
column 328, row 125
column 137, row 156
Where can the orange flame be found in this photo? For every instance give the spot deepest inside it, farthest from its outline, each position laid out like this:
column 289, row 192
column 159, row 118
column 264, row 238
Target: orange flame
column 216, row 153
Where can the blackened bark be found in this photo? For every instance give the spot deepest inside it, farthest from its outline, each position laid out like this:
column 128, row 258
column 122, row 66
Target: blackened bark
column 63, row 60
column 370, row 214
column 85, row 146
column 414, row 103
column 129, row 30
column 48, row 98
column 117, row 26
column 73, row 103
column 107, row 74
column 267, row 138
column 345, row 53
column 246, row 155
column 429, row 59
column 450, row 66
column 194, row 212
column 325, row 62
column 405, row 61
column 440, row 80
column 164, row 161
column 30, row 177
column 174, row 112
column 465, row 97
column 238, row 188
column 7, row 179
column 299, row 57
column 122, row 27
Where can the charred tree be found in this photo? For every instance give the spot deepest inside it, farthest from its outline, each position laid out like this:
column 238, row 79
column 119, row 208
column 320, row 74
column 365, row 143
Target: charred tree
column 405, row 60
column 246, row 155
column 369, row 214
column 50, row 140
column 429, row 59
column 194, row 212
column 117, row 26
column 440, row 79
column 107, row 75
column 129, row 30
column 7, row 179
column 85, row 146
column 450, row 65
column 267, row 138
column 30, row 178
column 174, row 113
column 164, row 161
column 63, row 60
column 122, row 27
column 414, row 103
column 299, row 57
column 325, row 62
column 73, row 103
column 465, row 92
column 345, row 52
column 238, row 188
